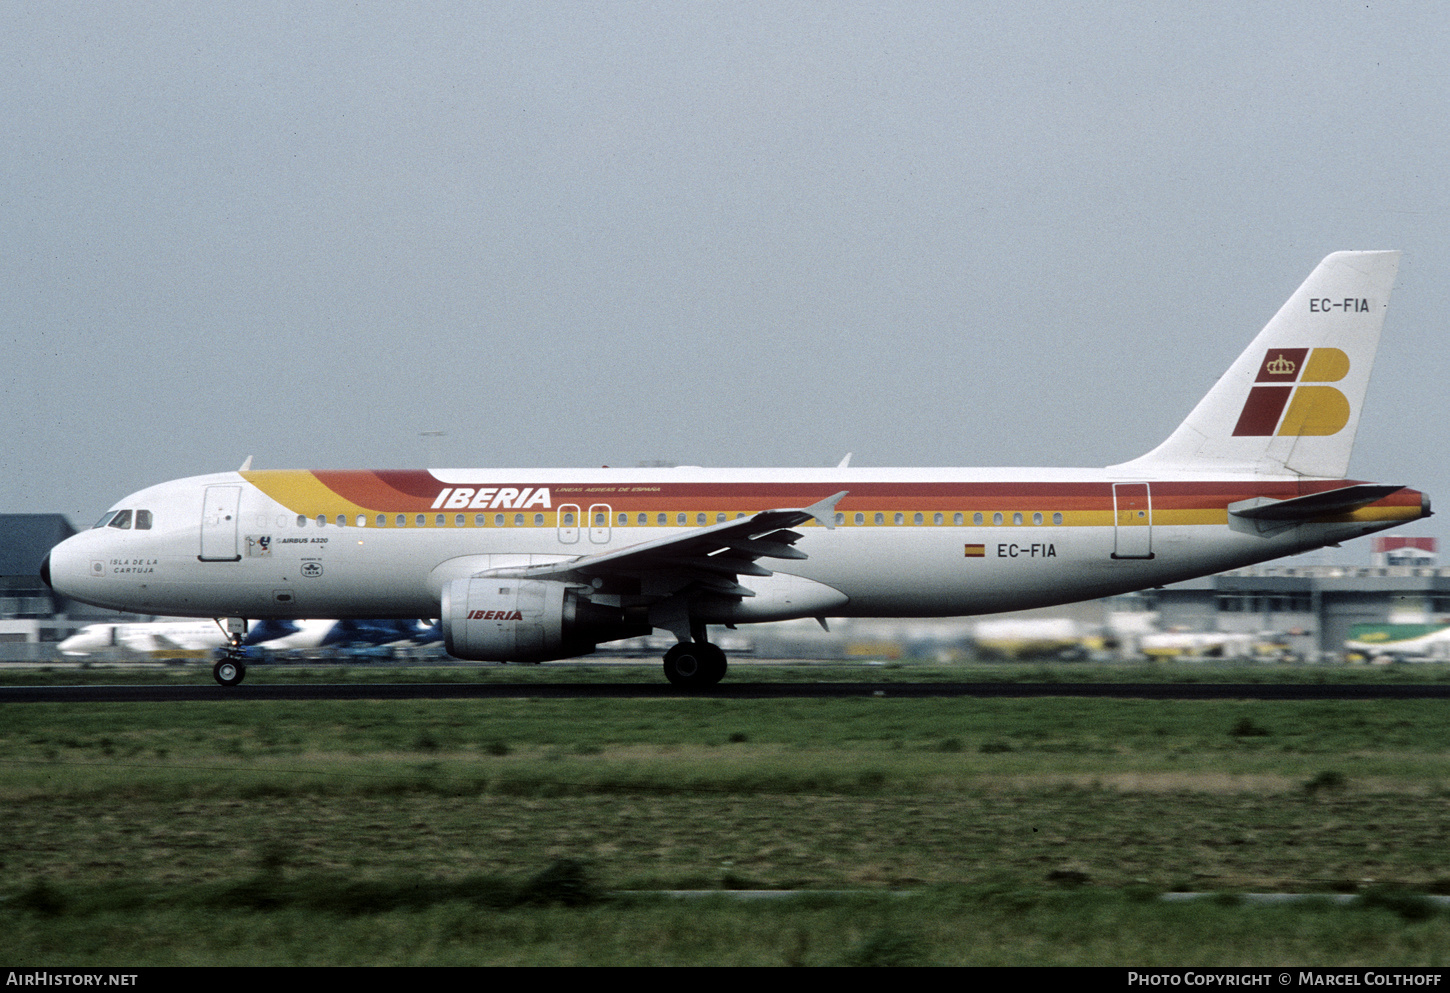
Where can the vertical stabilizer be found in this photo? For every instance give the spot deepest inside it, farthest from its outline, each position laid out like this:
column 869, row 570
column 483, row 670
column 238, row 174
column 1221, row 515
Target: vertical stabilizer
column 1291, row 402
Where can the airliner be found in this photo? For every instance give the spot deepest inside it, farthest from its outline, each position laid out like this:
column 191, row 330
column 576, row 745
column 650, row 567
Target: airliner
column 1380, row 645
column 528, row 565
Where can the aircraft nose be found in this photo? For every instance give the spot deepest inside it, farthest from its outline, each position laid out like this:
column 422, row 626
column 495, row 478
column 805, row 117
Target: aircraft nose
column 45, row 571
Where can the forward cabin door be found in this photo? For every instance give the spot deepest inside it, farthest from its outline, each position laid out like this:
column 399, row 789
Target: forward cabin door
column 1133, row 521
column 219, row 524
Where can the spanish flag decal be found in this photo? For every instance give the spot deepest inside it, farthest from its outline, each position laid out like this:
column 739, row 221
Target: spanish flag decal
column 976, row 551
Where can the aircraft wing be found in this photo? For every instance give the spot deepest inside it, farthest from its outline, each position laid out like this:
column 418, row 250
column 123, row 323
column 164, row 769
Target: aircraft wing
column 708, row 559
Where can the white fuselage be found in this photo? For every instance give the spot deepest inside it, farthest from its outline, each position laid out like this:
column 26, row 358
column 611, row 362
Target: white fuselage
column 906, row 542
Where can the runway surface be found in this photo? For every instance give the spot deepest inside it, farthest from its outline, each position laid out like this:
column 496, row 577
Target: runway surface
column 725, row 691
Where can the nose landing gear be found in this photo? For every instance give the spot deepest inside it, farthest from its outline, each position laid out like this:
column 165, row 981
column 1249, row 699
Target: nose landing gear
column 231, row 669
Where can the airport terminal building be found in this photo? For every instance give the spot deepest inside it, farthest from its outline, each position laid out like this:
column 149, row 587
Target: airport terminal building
column 1315, row 606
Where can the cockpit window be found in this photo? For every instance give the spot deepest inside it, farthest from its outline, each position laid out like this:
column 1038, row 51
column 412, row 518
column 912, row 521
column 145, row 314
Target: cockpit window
column 122, row 520
column 143, row 520
column 105, row 519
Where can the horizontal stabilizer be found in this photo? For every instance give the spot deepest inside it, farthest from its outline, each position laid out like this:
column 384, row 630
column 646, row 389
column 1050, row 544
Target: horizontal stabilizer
column 1265, row 517
column 1313, row 506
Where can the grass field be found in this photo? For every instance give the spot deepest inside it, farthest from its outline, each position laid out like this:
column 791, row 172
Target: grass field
column 988, row 831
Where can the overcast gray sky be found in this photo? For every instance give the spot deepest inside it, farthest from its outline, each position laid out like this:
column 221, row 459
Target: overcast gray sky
column 709, row 233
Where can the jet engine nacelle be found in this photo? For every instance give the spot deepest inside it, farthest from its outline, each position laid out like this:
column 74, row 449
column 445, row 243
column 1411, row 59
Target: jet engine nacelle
column 513, row 620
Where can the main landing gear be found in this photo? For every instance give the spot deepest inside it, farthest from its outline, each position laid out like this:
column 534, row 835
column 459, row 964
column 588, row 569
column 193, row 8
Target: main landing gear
column 694, row 665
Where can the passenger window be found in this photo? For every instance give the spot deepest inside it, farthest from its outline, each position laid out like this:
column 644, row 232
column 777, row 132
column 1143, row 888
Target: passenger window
column 362, row 520
column 680, row 518
column 122, row 521
column 301, row 521
column 480, row 520
column 568, row 520
column 662, row 519
column 997, row 517
column 700, row 519
column 720, row 518
column 538, row 520
column 1057, row 518
column 840, row 518
column 439, row 520
column 860, row 518
column 1036, row 518
column 498, row 520
column 143, row 520
column 322, row 520
column 642, row 520
column 402, row 520
column 421, row 520
column 342, row 520
column 917, row 519
column 880, row 518
column 624, row 520
column 1017, row 518
column 600, row 520
column 899, row 518
column 937, row 518
column 957, row 518
column 518, row 520
column 458, row 520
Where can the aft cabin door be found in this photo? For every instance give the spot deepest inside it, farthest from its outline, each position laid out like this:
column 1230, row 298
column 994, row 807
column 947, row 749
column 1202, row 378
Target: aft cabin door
column 1133, row 521
column 219, row 524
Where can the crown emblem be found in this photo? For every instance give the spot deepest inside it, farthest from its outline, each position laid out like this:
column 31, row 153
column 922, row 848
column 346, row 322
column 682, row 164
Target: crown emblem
column 1280, row 367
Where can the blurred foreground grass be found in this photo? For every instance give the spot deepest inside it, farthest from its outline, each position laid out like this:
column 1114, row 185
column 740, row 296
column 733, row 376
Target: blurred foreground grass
column 1025, row 830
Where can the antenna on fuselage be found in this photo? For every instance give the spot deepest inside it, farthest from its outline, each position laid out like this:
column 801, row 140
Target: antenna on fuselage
column 246, row 465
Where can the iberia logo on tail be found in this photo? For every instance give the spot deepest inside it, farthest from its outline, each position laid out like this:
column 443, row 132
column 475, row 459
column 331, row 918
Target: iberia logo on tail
column 1281, row 403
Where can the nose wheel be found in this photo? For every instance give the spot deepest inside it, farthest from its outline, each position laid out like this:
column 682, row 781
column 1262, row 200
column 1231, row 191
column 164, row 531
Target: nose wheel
column 229, row 671
column 695, row 665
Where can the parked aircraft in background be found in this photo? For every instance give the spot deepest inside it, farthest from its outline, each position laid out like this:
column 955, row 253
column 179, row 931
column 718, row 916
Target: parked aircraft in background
column 266, row 635
column 530, row 564
column 313, row 635
column 1037, row 637
column 146, row 636
column 1383, row 643
column 1211, row 644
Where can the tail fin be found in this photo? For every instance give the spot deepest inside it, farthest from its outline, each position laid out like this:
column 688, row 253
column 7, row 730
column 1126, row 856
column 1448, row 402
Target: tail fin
column 1290, row 404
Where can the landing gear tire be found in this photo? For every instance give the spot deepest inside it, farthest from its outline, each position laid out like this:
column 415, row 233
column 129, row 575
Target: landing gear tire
column 229, row 672
column 694, row 665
